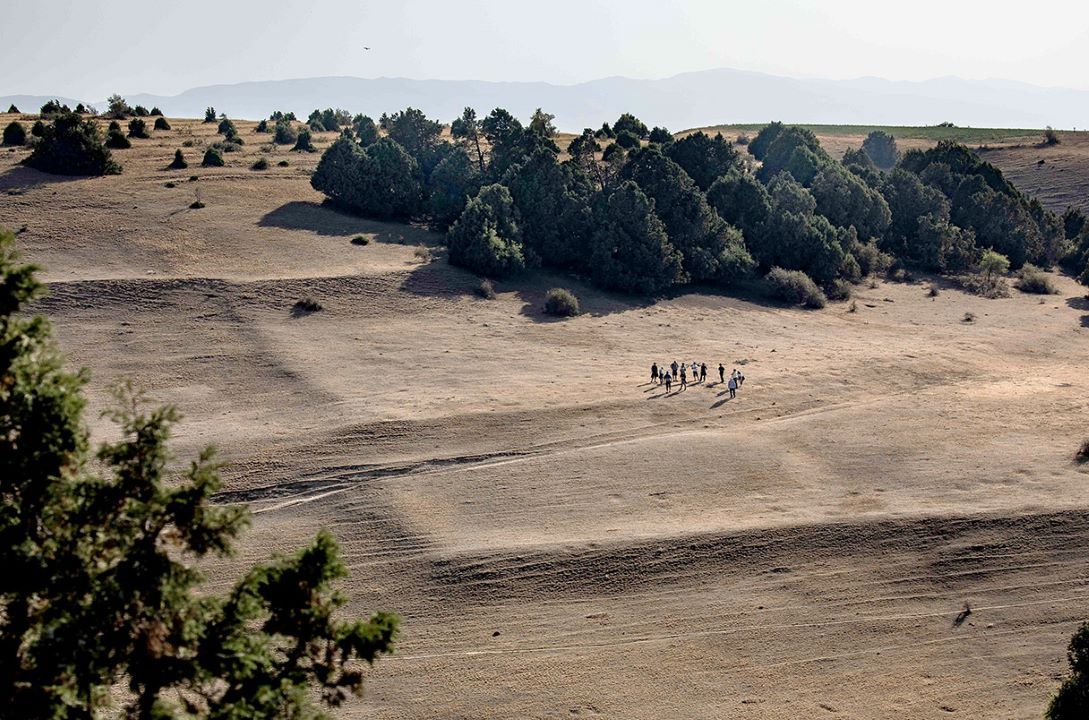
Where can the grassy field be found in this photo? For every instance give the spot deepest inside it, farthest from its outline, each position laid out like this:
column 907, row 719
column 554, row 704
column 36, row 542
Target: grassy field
column 930, row 133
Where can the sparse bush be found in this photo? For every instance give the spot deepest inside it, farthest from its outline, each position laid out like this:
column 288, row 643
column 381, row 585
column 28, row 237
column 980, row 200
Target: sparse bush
column 422, row 254
column 210, row 115
column 934, row 291
column 985, row 285
column 283, row 163
column 170, row 185
column 14, row 134
column 196, row 205
column 262, row 127
column 1082, row 455
column 561, row 303
column 839, row 290
column 795, row 287
column 1051, row 137
column 993, row 263
column 486, row 291
column 138, row 128
column 261, row 164
column 742, row 139
column 303, row 143
column 179, row 162
column 307, row 305
column 117, row 108
column 969, row 317
column 1033, row 280
column 361, row 240
column 161, row 123
column 212, row 158
column 226, row 127
column 193, row 178
column 227, row 146
column 140, row 111
column 71, row 145
column 853, row 306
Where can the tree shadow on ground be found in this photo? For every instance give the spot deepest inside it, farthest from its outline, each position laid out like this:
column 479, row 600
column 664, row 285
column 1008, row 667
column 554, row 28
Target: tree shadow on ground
column 20, row 178
column 326, row 219
column 1078, row 303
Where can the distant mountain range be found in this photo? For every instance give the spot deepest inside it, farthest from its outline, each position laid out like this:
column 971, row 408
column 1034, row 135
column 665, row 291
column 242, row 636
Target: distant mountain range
column 682, row 101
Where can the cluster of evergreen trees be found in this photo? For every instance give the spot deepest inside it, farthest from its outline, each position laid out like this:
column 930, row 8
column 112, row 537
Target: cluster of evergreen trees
column 638, row 210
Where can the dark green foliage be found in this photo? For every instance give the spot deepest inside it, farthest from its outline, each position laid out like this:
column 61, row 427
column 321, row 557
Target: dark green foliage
column 909, row 200
column 795, row 287
column 661, row 136
column 81, row 109
column 1000, row 221
column 1073, row 222
column 161, row 124
column 712, row 249
column 505, row 136
column 262, row 127
column 117, row 108
column 741, row 200
column 178, row 163
column 379, row 181
column 605, row 132
column 278, row 116
column 453, row 181
column 307, row 305
column 210, row 115
column 365, row 130
column 14, row 134
column 760, row 144
column 468, row 132
column 941, row 246
column 860, row 164
column 71, row 145
column 627, row 140
column 797, row 151
column 1033, row 280
column 104, row 610
column 631, row 251
column 1082, row 455
column 116, row 140
column 847, row 201
column 13, row 109
column 1071, row 702
column 541, row 123
column 413, row 131
column 226, row 127
column 794, row 237
column 285, row 133
column 283, row 163
column 155, row 112
column 38, row 129
column 261, row 164
column 212, row 158
column 704, row 158
column 303, row 143
column 140, row 111
column 553, row 205
column 869, row 258
column 561, row 302
column 486, row 239
column 138, row 128
column 361, row 240
column 54, row 107
column 880, row 147
column 629, row 123
column 961, row 161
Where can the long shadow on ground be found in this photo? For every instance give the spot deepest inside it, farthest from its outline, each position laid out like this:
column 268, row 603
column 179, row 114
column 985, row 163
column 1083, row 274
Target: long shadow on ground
column 23, row 178
column 326, row 219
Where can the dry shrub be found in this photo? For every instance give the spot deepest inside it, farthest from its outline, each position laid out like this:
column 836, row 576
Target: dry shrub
column 1082, row 455
column 985, row 285
column 795, row 287
column 1033, row 280
column 561, row 303
column 422, row 254
column 486, row 290
column 307, row 305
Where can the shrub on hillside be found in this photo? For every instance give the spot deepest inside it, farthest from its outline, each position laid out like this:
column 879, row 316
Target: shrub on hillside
column 285, row 133
column 839, row 290
column 53, row 107
column 1082, row 455
column 486, row 290
column 226, row 126
column 156, row 112
column 1034, row 281
column 307, row 305
column 117, row 108
column 140, row 111
column 881, row 149
column 379, row 181
column 14, row 134
column 161, row 123
column 13, row 109
column 261, row 164
column 561, row 302
column 138, row 128
column 985, row 285
column 71, row 145
column 304, row 143
column 627, row 140
column 210, row 115
column 262, row 127
column 212, row 158
column 37, row 129
column 1051, row 137
column 283, row 163
column 116, row 140
column 795, row 287
column 179, row 162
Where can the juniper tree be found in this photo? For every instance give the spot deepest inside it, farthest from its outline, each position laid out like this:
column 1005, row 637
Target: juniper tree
column 631, row 250
column 487, row 239
column 100, row 600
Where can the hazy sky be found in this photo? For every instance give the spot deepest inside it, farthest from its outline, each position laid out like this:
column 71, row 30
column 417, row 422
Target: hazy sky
column 90, row 48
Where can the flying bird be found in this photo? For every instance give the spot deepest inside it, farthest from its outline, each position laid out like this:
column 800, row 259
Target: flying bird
column 366, row 48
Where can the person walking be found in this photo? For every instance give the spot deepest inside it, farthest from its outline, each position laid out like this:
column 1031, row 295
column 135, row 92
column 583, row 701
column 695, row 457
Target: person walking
column 654, row 373
column 721, row 373
column 732, row 387
column 740, row 378
column 684, row 377
column 703, row 372
column 673, row 367
column 668, row 383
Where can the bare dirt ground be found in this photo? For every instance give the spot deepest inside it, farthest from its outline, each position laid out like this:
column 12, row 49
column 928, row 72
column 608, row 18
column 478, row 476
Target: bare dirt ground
column 562, row 538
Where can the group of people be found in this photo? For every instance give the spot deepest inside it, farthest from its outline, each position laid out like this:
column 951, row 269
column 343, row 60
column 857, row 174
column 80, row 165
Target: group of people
column 680, row 372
